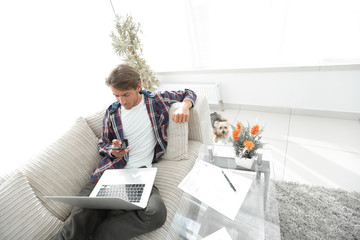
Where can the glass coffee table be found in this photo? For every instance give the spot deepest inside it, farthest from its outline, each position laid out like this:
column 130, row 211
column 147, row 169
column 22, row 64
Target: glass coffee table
column 195, row 220
column 223, row 156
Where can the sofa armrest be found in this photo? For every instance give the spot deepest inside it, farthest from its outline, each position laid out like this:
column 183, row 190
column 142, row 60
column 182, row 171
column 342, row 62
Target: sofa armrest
column 199, row 121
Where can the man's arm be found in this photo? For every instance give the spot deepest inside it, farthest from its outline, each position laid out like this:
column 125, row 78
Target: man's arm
column 181, row 115
column 187, row 99
column 108, row 139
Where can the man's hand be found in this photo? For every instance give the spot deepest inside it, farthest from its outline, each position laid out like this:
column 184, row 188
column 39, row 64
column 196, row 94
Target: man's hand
column 181, row 115
column 118, row 153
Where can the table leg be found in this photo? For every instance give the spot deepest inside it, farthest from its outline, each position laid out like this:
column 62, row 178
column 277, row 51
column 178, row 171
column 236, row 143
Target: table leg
column 258, row 176
column 267, row 179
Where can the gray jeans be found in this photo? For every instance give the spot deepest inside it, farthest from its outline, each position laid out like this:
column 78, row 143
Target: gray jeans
column 113, row 224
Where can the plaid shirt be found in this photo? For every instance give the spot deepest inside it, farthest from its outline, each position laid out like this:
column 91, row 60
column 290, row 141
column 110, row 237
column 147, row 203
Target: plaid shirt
column 157, row 104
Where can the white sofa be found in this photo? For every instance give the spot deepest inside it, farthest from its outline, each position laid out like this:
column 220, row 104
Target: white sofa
column 65, row 166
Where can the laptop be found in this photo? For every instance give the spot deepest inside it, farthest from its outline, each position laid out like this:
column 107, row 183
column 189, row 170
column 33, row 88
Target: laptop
column 126, row 189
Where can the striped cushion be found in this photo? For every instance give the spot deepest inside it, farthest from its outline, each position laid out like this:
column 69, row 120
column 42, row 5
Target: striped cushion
column 199, row 121
column 177, row 148
column 64, row 167
column 95, row 122
column 6, row 175
column 22, row 214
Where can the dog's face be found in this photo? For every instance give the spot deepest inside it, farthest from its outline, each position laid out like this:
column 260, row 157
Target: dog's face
column 222, row 129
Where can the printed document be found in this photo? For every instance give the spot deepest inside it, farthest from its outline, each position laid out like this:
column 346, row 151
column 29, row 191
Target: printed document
column 208, row 183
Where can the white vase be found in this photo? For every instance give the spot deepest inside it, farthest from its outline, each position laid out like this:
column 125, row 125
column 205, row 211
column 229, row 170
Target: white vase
column 244, row 162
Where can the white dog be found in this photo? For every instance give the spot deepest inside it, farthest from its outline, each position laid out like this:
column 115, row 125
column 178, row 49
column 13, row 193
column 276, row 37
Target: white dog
column 220, row 127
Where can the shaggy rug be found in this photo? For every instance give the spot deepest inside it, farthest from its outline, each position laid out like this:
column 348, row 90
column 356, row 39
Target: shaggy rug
column 312, row 212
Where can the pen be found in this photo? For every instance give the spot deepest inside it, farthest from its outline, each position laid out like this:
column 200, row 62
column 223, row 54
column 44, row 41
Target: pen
column 227, row 179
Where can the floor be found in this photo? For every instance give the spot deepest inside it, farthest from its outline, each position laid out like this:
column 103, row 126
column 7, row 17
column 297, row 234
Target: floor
column 308, row 149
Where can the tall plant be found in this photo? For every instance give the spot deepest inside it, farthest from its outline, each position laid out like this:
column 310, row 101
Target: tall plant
column 127, row 45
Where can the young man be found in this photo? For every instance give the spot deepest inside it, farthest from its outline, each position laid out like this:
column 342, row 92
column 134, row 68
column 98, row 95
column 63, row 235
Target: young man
column 138, row 120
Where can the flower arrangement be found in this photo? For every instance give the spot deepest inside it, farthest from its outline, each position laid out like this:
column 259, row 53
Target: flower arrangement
column 247, row 140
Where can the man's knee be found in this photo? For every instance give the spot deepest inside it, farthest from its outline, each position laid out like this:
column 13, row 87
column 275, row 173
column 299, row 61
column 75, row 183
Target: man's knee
column 159, row 218
column 155, row 214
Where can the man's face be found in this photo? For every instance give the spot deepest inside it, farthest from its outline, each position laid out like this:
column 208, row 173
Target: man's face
column 128, row 98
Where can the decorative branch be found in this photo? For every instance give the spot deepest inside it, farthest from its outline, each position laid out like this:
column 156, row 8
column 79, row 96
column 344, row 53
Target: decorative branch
column 127, row 45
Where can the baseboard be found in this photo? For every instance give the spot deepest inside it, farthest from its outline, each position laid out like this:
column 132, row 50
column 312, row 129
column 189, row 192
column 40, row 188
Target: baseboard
column 253, row 108
column 327, row 114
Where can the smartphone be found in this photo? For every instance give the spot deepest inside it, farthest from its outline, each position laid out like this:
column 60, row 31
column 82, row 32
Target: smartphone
column 116, row 148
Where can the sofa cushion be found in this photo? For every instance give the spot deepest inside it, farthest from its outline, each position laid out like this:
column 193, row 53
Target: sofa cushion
column 177, row 135
column 64, row 167
column 95, row 122
column 22, row 214
column 7, row 174
column 200, row 113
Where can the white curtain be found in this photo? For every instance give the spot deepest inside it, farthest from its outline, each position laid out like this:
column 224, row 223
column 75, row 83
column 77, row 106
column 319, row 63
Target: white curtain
column 273, row 33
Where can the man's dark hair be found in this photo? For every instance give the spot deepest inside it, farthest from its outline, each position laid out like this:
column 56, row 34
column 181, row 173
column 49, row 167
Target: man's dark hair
column 123, row 77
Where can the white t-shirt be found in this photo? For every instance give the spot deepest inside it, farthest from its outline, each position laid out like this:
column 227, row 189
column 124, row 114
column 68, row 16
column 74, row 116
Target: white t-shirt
column 138, row 131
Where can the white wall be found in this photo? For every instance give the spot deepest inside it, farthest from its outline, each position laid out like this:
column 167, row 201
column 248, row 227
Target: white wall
column 331, row 88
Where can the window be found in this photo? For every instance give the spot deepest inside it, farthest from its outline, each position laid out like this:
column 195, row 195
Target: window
column 198, row 34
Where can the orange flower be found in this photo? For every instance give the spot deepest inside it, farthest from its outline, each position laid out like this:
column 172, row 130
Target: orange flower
column 255, row 129
column 236, row 133
column 249, row 144
column 238, row 125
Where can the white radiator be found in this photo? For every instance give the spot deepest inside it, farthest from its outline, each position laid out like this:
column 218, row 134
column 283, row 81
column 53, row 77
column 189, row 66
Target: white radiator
column 210, row 90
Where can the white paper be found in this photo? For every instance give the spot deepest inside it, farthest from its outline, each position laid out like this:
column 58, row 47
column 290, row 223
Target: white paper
column 207, row 183
column 221, row 234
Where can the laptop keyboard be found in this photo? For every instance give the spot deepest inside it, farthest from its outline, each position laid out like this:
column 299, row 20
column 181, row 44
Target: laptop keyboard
column 129, row 192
